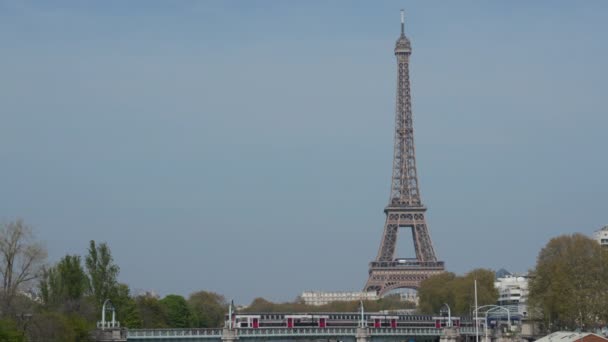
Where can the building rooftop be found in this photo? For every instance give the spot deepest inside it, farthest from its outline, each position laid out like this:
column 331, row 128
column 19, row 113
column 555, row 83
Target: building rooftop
column 569, row 336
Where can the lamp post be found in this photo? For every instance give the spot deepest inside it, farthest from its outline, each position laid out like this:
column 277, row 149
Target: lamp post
column 491, row 307
column 449, row 325
column 362, row 322
column 476, row 318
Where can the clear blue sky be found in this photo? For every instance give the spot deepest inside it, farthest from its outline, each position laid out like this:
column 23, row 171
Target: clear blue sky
column 245, row 147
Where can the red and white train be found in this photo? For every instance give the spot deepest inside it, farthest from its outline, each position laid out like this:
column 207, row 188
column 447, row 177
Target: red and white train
column 335, row 320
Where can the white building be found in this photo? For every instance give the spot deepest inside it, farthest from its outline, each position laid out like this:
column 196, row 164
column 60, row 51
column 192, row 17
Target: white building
column 322, row 298
column 513, row 293
column 601, row 236
column 411, row 297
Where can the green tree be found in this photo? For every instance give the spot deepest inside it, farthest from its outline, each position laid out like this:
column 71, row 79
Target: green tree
column 9, row 332
column 64, row 284
column 208, row 309
column 52, row 326
column 151, row 312
column 457, row 292
column 569, row 285
column 391, row 302
column 177, row 310
column 126, row 307
column 102, row 271
column 434, row 291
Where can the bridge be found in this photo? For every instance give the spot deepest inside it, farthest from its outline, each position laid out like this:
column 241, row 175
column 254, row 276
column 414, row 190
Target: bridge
column 247, row 328
column 309, row 333
column 289, row 334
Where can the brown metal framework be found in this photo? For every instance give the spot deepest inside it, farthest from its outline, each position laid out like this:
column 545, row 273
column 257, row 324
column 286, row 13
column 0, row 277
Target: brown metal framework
column 405, row 208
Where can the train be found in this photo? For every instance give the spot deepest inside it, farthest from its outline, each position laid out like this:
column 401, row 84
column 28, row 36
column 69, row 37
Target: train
column 338, row 320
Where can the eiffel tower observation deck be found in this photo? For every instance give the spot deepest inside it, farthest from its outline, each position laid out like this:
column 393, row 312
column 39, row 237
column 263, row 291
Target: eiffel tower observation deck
column 405, row 209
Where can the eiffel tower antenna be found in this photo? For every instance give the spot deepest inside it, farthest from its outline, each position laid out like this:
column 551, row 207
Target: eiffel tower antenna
column 402, row 22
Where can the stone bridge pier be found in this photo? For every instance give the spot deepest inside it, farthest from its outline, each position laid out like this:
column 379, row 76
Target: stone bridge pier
column 229, row 335
column 363, row 335
column 109, row 330
column 450, row 335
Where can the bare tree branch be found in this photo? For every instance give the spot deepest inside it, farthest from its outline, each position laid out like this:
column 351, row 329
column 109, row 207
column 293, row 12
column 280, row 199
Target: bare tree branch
column 21, row 259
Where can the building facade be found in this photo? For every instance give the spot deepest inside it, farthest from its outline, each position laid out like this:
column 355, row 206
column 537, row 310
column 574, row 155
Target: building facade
column 513, row 293
column 601, row 236
column 322, row 298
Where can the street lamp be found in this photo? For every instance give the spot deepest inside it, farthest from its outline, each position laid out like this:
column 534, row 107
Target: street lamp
column 449, row 325
column 492, row 307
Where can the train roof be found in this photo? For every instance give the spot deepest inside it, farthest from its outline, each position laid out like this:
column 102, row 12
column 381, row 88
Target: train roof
column 332, row 313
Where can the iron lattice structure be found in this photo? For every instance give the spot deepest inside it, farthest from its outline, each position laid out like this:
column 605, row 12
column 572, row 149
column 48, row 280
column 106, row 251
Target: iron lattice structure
column 405, row 208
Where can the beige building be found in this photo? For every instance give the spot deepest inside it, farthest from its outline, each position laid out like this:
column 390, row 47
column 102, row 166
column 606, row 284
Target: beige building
column 322, row 298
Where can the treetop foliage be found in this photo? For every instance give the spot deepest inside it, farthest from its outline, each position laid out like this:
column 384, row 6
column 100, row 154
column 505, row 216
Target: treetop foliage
column 569, row 285
column 457, row 291
column 392, row 302
column 103, row 272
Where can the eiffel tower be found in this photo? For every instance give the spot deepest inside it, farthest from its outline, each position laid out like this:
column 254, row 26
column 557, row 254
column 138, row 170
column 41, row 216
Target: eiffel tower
column 405, row 208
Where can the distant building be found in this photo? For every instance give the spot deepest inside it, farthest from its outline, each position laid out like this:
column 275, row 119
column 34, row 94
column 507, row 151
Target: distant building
column 513, row 293
column 146, row 293
column 601, row 236
column 322, row 298
column 411, row 297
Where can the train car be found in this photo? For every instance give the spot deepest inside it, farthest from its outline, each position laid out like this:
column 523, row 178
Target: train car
column 247, row 321
column 341, row 320
column 382, row 321
column 306, row 320
column 442, row 322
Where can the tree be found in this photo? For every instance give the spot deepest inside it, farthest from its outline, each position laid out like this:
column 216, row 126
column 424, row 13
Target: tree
column 569, row 285
column 151, row 312
column 457, row 291
column 64, row 284
column 56, row 327
column 177, row 311
column 208, row 309
column 434, row 291
column 126, row 307
column 9, row 332
column 261, row 305
column 102, row 271
column 21, row 259
column 391, row 302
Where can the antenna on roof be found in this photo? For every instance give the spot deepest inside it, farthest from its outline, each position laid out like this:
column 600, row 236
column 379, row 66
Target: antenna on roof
column 402, row 22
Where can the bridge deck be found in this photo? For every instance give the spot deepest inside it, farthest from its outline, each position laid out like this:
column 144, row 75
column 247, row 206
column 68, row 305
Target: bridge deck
column 264, row 333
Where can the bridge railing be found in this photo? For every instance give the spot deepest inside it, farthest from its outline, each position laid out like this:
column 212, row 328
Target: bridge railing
column 469, row 330
column 297, row 331
column 277, row 332
column 405, row 331
column 132, row 333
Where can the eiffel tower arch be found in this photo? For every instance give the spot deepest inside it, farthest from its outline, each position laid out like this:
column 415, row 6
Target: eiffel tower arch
column 405, row 208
